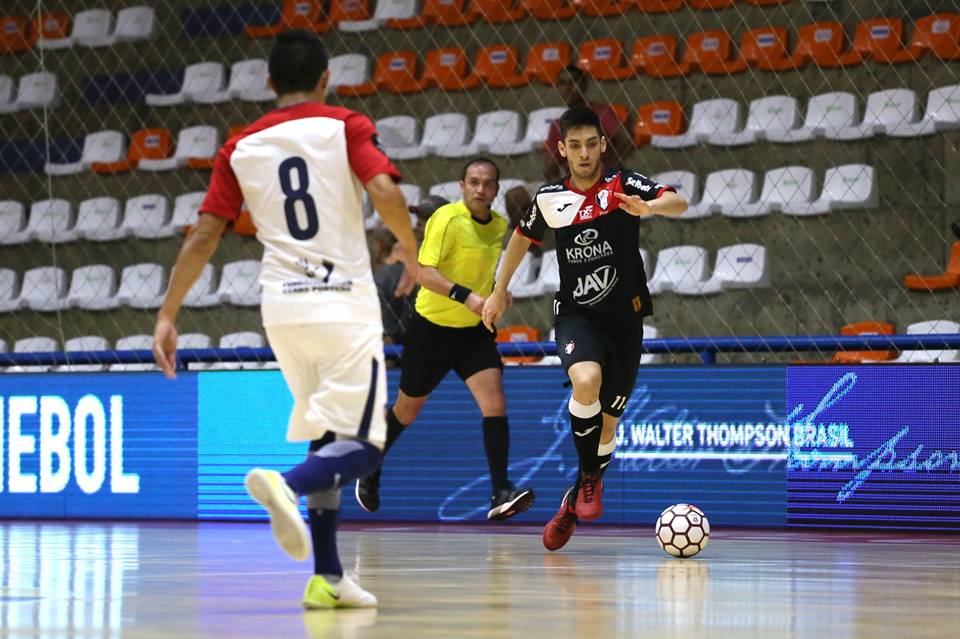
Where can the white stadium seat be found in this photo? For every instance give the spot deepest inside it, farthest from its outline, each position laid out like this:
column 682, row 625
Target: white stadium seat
column 199, row 80
column 93, row 288
column 248, row 82
column 8, row 291
column 723, row 192
column 841, row 118
column 240, row 283
column 398, row 135
column 37, row 91
column 538, row 129
column 679, row 265
column 386, row 10
column 647, row 261
column 91, row 28
column 450, row 191
column 775, row 114
column 499, row 204
column 524, row 281
column 827, row 114
column 134, row 343
column 708, row 117
column 844, row 187
column 141, row 286
column 348, row 70
column 194, row 341
column 186, row 210
column 412, row 193
column 548, row 281
column 134, row 24
column 145, row 216
column 33, row 345
column 8, row 94
column 102, row 146
column 98, row 220
column 13, row 223
column 490, row 129
column 782, row 187
column 688, row 185
column 932, row 327
column 887, row 110
column 86, row 343
column 244, row 339
column 43, row 289
column 51, row 221
column 192, row 142
column 445, row 132
column 203, row 294
column 650, row 332
column 942, row 113
column 738, row 266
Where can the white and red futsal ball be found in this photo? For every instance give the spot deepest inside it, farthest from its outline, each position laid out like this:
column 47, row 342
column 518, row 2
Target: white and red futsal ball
column 682, row 530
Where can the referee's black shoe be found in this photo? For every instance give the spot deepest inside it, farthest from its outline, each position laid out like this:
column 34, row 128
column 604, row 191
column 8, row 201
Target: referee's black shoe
column 368, row 492
column 509, row 502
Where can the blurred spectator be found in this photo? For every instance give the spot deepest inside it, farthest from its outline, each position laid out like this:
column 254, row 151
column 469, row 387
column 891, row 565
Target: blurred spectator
column 573, row 84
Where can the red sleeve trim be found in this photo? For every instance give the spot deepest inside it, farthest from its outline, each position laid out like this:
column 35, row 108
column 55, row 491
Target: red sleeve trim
column 665, row 189
column 524, row 235
column 366, row 160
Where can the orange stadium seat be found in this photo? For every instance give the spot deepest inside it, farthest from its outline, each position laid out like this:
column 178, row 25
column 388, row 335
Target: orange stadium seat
column 861, row 357
column 351, row 10
column 396, row 72
column 603, row 60
column 765, row 3
column 658, row 118
column 948, row 280
column 236, row 130
column 444, row 13
column 244, row 224
column 297, row 14
column 939, row 34
column 824, row 44
column 603, row 7
column 498, row 66
column 710, row 5
column 52, row 25
column 711, row 52
column 881, row 39
column 549, row 9
column 622, row 111
column 766, row 49
column 15, row 34
column 497, row 11
column 448, row 69
column 656, row 56
column 153, row 144
column 546, row 60
column 658, row 6
column 512, row 334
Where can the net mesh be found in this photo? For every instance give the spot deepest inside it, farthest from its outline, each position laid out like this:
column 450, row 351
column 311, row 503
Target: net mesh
column 820, row 177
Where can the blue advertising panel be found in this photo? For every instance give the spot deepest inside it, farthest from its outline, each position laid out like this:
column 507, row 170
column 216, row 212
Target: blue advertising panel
column 875, row 447
column 98, row 445
column 708, row 436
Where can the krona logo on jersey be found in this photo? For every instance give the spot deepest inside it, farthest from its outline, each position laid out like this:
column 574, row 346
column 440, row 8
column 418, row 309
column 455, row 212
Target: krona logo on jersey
column 586, row 250
column 593, row 287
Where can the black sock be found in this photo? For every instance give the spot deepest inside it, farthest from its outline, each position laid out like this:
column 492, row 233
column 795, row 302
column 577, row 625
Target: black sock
column 496, row 442
column 586, row 423
column 394, row 430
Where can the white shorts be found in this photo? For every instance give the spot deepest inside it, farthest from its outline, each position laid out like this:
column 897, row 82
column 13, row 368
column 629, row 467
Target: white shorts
column 337, row 377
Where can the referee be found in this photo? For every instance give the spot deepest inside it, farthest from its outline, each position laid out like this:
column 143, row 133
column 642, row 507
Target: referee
column 458, row 258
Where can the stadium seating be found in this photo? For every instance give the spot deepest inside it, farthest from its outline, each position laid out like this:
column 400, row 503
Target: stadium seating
column 450, row 191
column 549, row 9
column 777, row 114
column 739, row 266
column 385, row 11
column 15, row 34
column 538, row 129
column 545, row 60
column 678, row 265
column 687, row 184
column 440, row 132
column 548, row 280
column 243, row 339
column 135, row 24
column 244, row 225
column 297, row 14
column 937, row 34
column 100, row 147
column 604, row 8
column 448, row 69
column 710, row 5
column 712, row 52
column 894, row 110
column 656, row 56
column 658, row 6
column 881, row 39
column 783, row 187
column 239, row 283
column 825, row 45
column 91, row 28
column 13, row 222
column 517, row 334
column 52, row 30
column 864, row 357
column 524, row 281
column 491, row 128
column 348, row 70
column 35, row 91
column 98, row 220
column 203, row 294
column 708, row 118
column 932, row 327
column 949, row 279
column 497, row 11
column 33, row 345
column 145, row 144
column 767, row 49
column 497, row 66
column 844, row 187
column 186, row 208
column 603, row 59
column 399, row 136
column 197, row 148
column 93, row 288
column 724, row 192
column 43, row 289
column 134, row 343
column 942, row 113
column 51, row 221
column 663, row 118
column 8, row 101
column 145, row 217
column 202, row 78
column 395, row 72
column 8, row 290
column 141, row 286
column 248, row 82
column 650, row 332
column 442, row 13
column 831, row 115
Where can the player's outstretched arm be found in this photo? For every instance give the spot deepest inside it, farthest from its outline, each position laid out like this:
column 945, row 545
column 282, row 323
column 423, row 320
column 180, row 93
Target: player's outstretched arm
column 669, row 204
column 388, row 200
column 196, row 251
column 499, row 299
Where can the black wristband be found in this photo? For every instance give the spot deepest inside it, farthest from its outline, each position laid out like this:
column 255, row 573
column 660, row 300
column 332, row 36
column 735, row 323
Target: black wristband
column 459, row 293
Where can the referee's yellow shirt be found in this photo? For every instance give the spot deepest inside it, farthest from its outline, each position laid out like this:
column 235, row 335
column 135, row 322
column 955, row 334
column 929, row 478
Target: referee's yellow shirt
column 466, row 252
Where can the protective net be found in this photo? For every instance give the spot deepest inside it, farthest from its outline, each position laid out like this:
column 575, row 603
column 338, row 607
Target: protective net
column 816, row 142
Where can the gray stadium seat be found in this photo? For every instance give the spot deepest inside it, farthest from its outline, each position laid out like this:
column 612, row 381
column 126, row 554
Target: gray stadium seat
column 93, row 288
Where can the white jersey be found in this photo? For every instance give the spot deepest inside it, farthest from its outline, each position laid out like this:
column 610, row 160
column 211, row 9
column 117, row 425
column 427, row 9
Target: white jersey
column 300, row 170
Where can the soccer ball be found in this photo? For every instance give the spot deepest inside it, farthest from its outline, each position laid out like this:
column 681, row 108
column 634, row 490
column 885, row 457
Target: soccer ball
column 682, row 530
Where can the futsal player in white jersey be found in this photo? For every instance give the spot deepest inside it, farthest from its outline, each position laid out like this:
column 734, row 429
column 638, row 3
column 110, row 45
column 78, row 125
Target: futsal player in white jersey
column 302, row 169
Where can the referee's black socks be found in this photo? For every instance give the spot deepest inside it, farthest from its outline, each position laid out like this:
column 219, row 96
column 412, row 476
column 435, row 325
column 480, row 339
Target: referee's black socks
column 586, row 424
column 394, row 429
column 496, row 443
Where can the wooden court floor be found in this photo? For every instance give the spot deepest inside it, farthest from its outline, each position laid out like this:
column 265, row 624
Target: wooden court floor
column 134, row 581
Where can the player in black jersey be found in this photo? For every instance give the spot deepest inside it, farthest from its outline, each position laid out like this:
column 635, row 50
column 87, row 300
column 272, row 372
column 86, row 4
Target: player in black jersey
column 602, row 300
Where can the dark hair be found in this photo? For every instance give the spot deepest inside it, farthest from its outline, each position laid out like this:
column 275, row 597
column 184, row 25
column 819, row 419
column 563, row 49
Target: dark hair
column 297, row 61
column 577, row 117
column 479, row 160
column 578, row 74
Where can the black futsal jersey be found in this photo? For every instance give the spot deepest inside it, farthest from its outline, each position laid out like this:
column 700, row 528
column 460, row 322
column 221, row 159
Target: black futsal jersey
column 598, row 243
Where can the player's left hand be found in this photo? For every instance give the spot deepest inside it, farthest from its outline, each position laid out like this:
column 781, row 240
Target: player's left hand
column 165, row 347
column 634, row 204
column 411, row 268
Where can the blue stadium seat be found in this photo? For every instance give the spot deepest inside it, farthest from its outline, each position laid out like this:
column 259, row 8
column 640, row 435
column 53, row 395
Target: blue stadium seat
column 22, row 155
column 225, row 20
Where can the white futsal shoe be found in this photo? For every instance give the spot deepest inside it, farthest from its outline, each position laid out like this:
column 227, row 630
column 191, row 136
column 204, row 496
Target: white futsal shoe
column 268, row 488
column 347, row 593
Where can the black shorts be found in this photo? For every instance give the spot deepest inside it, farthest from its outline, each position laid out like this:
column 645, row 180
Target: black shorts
column 430, row 351
column 613, row 341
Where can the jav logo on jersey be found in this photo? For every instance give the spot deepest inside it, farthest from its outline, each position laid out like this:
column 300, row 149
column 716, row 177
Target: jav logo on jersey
column 586, row 237
column 595, row 286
